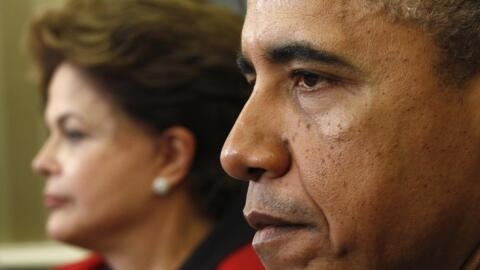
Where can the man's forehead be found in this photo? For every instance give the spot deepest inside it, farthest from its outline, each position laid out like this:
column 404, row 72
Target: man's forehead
column 304, row 7
column 314, row 21
column 367, row 41
column 341, row 10
column 310, row 6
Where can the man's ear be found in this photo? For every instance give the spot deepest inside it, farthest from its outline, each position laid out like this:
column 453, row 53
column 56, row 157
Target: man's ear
column 176, row 150
column 473, row 101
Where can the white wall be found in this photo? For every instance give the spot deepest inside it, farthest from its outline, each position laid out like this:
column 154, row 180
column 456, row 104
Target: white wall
column 236, row 5
column 21, row 211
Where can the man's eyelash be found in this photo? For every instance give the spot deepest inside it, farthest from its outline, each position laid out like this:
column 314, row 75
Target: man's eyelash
column 311, row 79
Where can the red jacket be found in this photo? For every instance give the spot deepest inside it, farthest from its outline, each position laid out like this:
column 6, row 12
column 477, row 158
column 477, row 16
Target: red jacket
column 227, row 247
column 242, row 259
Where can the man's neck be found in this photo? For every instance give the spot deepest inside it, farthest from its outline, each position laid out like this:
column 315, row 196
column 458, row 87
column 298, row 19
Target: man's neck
column 473, row 261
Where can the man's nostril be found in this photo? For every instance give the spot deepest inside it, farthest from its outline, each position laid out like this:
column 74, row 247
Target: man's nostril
column 255, row 173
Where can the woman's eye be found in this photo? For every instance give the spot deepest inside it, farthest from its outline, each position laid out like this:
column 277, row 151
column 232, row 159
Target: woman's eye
column 74, row 135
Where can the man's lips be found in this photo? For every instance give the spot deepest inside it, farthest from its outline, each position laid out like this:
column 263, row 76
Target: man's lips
column 259, row 221
column 275, row 231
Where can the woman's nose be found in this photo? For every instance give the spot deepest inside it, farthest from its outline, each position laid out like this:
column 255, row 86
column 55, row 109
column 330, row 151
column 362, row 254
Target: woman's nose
column 255, row 148
column 45, row 163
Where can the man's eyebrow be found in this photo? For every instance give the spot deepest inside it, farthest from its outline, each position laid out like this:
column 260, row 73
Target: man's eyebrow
column 245, row 65
column 301, row 51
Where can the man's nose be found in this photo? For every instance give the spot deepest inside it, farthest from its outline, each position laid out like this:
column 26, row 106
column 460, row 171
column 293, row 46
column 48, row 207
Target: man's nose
column 255, row 148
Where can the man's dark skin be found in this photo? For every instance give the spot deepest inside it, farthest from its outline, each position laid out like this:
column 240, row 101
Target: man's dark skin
column 360, row 152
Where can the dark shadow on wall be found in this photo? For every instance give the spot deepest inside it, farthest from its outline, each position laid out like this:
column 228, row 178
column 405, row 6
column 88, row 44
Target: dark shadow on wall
column 238, row 6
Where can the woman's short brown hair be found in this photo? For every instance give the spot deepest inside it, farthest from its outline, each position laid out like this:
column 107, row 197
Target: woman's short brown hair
column 164, row 62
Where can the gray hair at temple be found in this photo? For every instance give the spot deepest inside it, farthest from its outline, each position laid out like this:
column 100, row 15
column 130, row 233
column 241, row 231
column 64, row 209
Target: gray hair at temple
column 454, row 26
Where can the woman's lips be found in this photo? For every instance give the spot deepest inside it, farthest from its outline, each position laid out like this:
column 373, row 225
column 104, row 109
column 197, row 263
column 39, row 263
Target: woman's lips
column 53, row 201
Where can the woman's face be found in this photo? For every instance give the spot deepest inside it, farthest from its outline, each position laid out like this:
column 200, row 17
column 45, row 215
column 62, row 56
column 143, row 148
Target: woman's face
column 99, row 164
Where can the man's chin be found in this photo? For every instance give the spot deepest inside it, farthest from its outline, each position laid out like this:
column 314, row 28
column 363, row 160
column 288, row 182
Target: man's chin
column 290, row 247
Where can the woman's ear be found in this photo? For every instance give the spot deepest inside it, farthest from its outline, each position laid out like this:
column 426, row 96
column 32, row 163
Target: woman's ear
column 176, row 150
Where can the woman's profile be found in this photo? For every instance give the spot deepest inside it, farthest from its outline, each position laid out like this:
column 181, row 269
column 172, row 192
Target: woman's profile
column 139, row 96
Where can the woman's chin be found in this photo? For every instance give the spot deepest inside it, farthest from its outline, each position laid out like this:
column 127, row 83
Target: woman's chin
column 55, row 231
column 67, row 228
column 59, row 228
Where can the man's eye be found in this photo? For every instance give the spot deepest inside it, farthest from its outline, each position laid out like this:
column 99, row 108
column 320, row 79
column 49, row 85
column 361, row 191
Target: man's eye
column 311, row 81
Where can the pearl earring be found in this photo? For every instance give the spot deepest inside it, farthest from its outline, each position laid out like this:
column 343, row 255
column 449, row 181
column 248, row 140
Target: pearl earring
column 160, row 186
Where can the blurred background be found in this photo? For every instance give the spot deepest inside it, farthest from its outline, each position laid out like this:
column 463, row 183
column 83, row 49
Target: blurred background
column 23, row 244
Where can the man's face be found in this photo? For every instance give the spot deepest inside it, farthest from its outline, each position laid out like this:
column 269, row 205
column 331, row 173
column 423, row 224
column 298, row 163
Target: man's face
column 358, row 156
